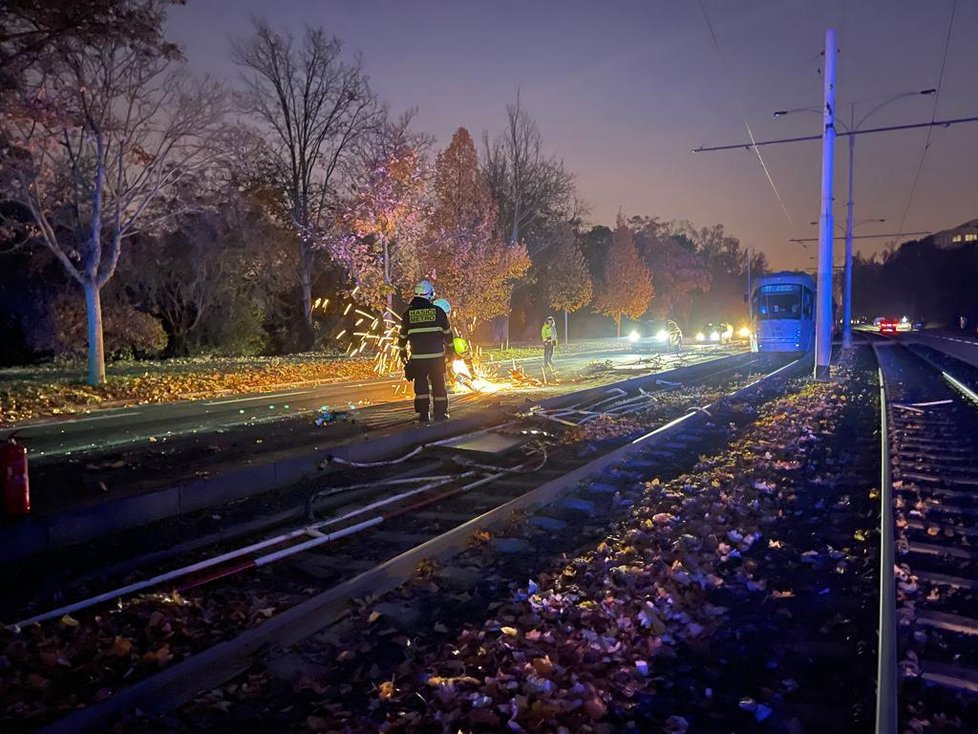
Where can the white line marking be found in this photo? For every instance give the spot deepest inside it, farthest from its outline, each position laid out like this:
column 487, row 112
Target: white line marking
column 261, row 397
column 69, row 421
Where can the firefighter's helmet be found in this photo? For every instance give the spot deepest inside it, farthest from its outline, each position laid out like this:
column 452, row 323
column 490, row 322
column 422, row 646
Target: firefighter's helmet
column 425, row 289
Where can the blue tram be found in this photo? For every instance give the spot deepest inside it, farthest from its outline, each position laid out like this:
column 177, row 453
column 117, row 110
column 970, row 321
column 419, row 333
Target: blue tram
column 783, row 313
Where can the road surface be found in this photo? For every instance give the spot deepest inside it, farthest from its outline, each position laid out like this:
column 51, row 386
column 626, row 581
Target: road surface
column 116, row 428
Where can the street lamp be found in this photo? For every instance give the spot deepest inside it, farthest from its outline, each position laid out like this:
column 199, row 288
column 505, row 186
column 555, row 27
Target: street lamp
column 852, row 128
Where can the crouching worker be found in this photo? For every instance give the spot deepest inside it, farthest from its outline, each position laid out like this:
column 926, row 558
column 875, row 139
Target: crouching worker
column 425, row 328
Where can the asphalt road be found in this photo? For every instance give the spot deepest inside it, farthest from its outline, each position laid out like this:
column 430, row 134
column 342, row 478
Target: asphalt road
column 101, row 430
column 957, row 345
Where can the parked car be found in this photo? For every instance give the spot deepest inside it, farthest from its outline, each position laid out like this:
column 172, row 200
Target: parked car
column 655, row 335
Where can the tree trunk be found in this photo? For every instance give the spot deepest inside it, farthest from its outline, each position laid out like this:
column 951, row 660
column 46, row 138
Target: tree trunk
column 306, row 335
column 96, row 349
column 566, row 332
column 387, row 280
column 618, row 323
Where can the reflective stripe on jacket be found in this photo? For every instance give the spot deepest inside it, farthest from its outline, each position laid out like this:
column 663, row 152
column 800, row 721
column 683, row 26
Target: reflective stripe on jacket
column 425, row 327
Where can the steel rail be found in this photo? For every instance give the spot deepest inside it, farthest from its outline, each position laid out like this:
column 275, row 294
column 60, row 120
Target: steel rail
column 217, row 567
column 887, row 712
column 226, row 660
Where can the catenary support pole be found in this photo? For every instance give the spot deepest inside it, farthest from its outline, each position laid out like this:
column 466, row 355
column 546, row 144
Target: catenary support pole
column 823, row 311
column 847, row 295
column 752, row 327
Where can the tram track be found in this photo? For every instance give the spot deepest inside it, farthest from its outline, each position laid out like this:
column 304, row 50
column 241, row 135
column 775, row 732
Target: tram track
column 247, row 520
column 405, row 547
column 669, row 529
column 929, row 605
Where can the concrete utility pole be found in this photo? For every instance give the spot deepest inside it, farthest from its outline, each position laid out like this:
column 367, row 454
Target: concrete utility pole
column 823, row 306
column 847, row 293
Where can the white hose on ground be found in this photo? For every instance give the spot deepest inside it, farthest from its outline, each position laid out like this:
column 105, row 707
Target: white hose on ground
column 372, row 464
column 379, row 483
column 353, row 529
column 473, row 433
column 217, row 560
column 158, row 579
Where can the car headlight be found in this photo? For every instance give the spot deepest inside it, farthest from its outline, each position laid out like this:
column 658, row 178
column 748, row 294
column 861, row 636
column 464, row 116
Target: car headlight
column 661, row 335
column 700, row 336
column 714, row 336
column 744, row 332
column 634, row 336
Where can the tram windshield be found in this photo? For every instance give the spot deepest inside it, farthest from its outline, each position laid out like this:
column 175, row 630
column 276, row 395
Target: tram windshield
column 782, row 301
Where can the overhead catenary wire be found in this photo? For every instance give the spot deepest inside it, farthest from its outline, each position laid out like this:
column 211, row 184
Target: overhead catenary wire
column 930, row 130
column 743, row 115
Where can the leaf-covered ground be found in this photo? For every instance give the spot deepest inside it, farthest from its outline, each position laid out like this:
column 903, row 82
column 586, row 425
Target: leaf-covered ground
column 642, row 632
column 582, row 651
column 710, row 608
column 27, row 393
column 50, row 668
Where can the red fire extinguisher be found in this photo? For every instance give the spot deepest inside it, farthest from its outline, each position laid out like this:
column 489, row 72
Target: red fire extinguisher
column 13, row 470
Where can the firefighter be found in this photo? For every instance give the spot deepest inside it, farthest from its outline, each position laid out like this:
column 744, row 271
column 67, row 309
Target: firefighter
column 549, row 335
column 425, row 327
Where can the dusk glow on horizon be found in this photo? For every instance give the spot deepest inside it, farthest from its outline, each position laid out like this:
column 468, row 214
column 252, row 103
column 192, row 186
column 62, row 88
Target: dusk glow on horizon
column 623, row 91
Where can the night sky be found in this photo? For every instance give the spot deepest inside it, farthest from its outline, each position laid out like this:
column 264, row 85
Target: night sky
column 623, row 90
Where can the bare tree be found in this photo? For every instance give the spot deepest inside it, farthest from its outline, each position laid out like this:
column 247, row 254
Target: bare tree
column 529, row 186
column 31, row 30
column 317, row 109
column 99, row 135
column 531, row 189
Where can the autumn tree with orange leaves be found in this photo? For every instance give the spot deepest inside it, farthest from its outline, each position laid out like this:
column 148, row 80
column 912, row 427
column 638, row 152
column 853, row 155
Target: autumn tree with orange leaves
column 569, row 283
column 471, row 264
column 383, row 221
column 627, row 286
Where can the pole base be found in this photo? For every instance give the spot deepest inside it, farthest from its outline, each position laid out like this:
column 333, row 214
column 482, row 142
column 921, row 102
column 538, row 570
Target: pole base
column 821, row 373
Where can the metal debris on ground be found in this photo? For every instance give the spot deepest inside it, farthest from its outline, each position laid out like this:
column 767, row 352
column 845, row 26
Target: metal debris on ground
column 327, row 415
column 519, row 377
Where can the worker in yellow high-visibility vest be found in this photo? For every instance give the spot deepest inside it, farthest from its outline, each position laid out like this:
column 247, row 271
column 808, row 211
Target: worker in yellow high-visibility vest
column 549, row 336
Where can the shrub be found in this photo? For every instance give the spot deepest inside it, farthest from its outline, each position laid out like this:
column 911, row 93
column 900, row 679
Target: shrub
column 127, row 333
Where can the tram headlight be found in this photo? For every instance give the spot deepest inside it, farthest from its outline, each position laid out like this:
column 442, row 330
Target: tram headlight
column 700, row 336
column 744, row 332
column 661, row 335
column 633, row 336
column 714, row 336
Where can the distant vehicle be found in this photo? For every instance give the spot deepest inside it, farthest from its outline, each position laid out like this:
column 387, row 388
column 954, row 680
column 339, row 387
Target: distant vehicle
column 716, row 333
column 655, row 335
column 783, row 309
column 889, row 326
